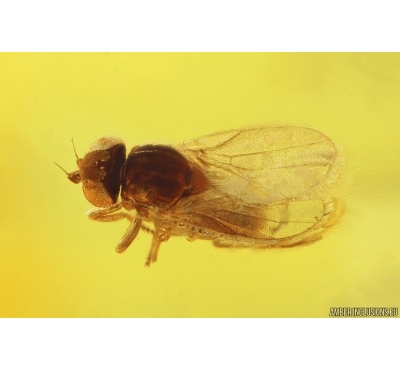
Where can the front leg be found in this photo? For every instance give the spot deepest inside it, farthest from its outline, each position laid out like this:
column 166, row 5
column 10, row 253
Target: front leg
column 107, row 215
column 129, row 236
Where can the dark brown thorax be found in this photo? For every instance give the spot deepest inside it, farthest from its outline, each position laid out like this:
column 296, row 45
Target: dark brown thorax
column 156, row 175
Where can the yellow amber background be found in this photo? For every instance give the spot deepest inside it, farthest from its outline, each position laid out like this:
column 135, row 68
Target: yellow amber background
column 54, row 262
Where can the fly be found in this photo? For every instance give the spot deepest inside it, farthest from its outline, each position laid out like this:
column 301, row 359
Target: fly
column 257, row 187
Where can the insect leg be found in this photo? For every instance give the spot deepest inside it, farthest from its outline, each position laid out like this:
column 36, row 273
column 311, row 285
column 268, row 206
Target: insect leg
column 147, row 229
column 107, row 215
column 159, row 236
column 129, row 236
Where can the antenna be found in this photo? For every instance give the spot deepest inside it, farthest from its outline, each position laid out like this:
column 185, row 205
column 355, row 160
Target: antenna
column 62, row 169
column 73, row 146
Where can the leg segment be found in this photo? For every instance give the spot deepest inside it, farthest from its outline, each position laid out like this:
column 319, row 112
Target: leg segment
column 107, row 215
column 159, row 236
column 147, row 229
column 129, row 235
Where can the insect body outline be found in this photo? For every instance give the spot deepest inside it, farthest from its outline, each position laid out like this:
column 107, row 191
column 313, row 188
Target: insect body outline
column 258, row 187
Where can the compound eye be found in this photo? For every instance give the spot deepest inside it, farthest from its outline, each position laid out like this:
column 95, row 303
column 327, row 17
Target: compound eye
column 96, row 193
column 100, row 171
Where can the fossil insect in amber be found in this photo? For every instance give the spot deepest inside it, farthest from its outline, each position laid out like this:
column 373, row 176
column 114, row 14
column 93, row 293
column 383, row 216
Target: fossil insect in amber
column 256, row 187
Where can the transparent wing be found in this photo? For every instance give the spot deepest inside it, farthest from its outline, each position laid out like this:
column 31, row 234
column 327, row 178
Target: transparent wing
column 268, row 185
column 266, row 164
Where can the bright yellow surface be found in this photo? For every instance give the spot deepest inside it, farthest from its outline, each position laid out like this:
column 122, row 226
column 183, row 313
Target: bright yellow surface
column 54, row 262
